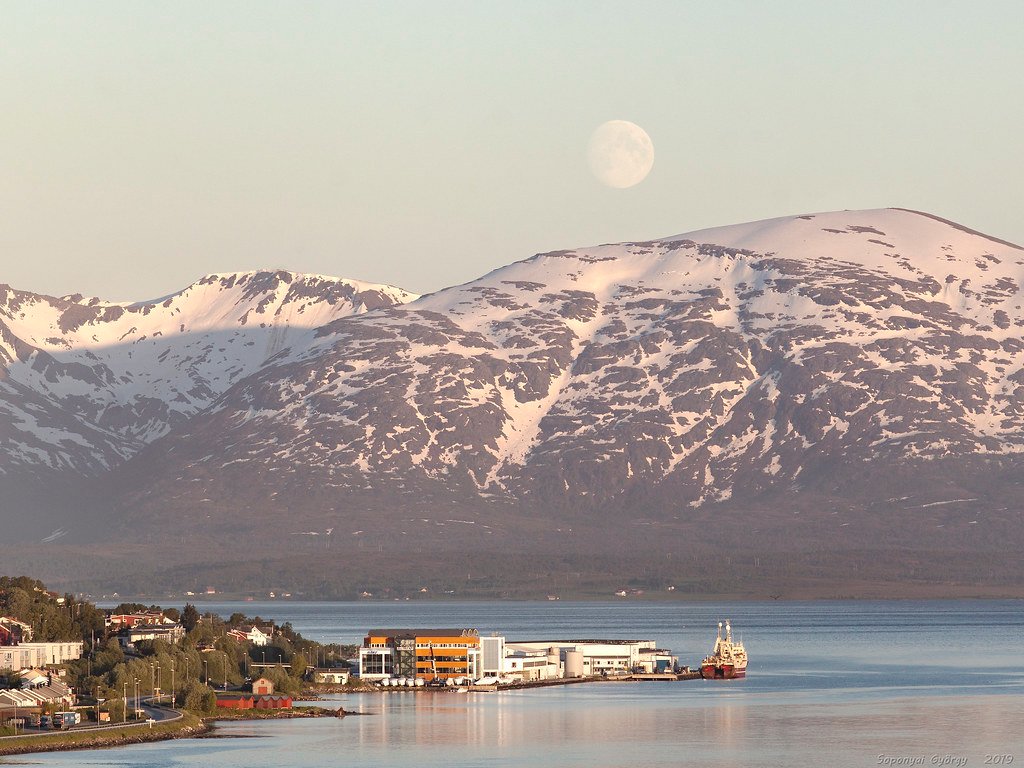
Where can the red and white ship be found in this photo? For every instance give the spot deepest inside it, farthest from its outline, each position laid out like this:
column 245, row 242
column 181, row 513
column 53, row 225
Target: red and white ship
column 728, row 660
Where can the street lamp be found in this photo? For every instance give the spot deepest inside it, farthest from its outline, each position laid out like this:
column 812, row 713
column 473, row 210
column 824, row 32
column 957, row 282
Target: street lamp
column 172, row 682
column 206, row 671
column 158, row 686
column 136, row 697
column 124, row 702
column 225, row 655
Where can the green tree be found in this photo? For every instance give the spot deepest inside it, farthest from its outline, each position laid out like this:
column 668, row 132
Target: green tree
column 196, row 697
column 189, row 617
column 298, row 668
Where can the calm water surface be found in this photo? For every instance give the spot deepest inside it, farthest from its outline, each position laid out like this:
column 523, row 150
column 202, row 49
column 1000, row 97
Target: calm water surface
column 830, row 684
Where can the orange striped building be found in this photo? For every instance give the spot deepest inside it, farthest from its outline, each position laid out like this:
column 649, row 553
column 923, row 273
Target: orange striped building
column 426, row 654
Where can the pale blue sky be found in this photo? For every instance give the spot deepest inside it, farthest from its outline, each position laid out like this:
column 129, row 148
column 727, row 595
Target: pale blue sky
column 425, row 143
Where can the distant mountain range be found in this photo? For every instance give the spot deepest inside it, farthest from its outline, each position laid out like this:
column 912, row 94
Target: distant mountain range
column 812, row 389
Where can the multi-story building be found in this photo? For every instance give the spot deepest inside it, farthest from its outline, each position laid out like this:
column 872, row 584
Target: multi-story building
column 172, row 633
column 38, row 654
column 427, row 654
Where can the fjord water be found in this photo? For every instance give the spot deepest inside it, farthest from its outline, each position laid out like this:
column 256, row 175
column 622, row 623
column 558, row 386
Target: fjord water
column 844, row 683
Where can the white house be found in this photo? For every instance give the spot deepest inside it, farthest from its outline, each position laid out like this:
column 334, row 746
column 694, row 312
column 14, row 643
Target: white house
column 255, row 635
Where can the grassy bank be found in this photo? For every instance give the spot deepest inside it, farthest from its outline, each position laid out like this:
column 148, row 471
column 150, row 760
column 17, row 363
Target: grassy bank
column 58, row 741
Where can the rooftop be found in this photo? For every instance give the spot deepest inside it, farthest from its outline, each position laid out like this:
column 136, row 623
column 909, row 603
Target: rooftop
column 411, row 633
column 579, row 642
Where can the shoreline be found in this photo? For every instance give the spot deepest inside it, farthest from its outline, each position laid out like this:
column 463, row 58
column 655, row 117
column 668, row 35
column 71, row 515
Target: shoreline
column 884, row 593
column 189, row 727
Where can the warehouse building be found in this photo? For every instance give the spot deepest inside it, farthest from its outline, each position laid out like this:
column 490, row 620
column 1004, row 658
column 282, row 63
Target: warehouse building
column 586, row 658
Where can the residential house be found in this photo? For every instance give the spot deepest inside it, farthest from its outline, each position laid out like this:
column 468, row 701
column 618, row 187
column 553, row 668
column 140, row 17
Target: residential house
column 35, row 678
column 237, row 635
column 52, row 692
column 150, row 618
column 254, row 634
column 171, row 633
column 14, row 632
column 329, row 676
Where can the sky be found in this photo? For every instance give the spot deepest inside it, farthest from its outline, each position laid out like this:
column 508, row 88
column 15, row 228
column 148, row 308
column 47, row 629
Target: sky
column 423, row 144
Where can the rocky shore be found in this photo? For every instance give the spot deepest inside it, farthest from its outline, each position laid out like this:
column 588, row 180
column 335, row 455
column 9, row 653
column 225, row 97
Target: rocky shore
column 276, row 714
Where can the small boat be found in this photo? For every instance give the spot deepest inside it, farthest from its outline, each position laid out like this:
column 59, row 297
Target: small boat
column 728, row 660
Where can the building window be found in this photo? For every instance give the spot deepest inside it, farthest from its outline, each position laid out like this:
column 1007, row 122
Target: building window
column 376, row 664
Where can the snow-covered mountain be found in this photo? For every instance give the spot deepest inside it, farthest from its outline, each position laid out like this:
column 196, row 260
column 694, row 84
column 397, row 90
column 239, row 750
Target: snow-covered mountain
column 727, row 360
column 835, row 362
column 85, row 383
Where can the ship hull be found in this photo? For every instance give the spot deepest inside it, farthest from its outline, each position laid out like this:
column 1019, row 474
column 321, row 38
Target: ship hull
column 722, row 672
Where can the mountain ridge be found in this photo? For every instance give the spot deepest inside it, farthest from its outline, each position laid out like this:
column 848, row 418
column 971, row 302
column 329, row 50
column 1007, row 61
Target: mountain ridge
column 771, row 384
column 118, row 369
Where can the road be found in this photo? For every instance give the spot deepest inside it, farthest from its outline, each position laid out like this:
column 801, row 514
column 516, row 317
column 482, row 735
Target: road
column 154, row 712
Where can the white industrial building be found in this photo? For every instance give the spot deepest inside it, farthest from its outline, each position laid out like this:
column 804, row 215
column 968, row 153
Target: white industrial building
column 591, row 657
column 553, row 659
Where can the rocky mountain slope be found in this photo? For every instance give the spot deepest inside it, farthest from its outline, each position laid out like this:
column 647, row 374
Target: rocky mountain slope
column 84, row 383
column 862, row 368
column 729, row 359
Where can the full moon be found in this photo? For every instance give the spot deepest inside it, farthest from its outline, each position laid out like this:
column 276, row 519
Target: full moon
column 620, row 154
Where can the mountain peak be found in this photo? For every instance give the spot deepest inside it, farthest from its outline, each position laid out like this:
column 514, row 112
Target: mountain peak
column 867, row 230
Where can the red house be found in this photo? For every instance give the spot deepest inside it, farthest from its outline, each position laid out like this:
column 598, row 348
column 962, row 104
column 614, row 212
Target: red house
column 246, row 701
column 14, row 632
column 225, row 701
column 274, row 702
